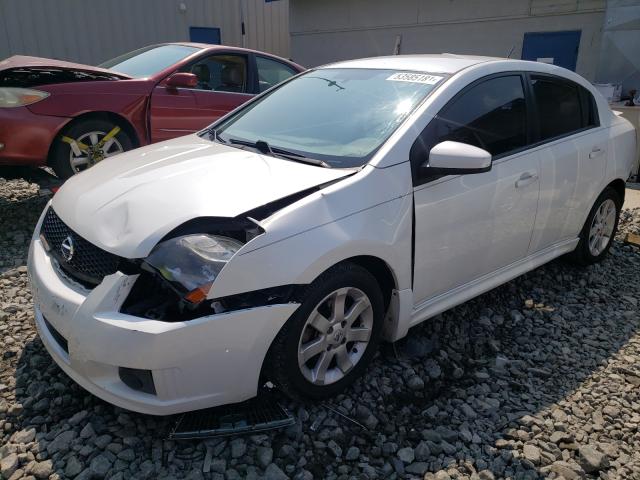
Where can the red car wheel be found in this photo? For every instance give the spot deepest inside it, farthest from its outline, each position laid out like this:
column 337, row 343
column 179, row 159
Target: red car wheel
column 86, row 143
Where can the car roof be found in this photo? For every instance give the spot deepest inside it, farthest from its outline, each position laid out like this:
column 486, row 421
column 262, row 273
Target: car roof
column 448, row 63
column 215, row 46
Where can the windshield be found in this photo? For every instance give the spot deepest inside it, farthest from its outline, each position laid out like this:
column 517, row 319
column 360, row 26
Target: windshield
column 338, row 115
column 148, row 61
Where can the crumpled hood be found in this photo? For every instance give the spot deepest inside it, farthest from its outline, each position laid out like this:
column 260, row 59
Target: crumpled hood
column 24, row 61
column 126, row 204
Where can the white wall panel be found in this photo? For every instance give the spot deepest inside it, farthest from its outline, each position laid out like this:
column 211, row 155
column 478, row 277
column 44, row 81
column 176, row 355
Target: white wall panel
column 331, row 30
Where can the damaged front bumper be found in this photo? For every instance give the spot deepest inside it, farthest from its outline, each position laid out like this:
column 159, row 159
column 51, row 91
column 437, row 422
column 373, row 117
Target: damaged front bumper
column 149, row 366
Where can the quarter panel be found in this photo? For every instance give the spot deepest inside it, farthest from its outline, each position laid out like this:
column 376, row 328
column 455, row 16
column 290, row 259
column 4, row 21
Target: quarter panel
column 621, row 149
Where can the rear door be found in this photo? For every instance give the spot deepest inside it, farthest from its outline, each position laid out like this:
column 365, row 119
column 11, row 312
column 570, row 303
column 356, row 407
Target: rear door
column 573, row 157
column 225, row 81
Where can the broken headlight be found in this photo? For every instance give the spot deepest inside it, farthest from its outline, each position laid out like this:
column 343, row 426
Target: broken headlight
column 193, row 262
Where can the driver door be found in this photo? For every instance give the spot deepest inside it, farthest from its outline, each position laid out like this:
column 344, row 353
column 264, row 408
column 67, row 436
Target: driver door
column 468, row 226
column 224, row 82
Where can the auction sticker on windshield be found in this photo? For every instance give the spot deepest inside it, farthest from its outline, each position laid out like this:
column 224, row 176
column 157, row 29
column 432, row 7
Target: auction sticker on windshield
column 415, row 78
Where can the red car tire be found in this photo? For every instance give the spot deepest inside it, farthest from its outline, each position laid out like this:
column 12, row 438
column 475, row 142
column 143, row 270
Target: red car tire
column 85, row 143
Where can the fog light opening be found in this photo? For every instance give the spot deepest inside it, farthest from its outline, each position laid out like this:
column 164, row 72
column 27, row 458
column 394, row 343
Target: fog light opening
column 136, row 379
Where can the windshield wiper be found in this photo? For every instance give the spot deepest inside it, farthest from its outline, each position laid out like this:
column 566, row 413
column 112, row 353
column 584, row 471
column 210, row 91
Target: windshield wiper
column 264, row 148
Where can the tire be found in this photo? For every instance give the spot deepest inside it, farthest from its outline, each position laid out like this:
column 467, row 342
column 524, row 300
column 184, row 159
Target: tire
column 282, row 365
column 593, row 247
column 83, row 131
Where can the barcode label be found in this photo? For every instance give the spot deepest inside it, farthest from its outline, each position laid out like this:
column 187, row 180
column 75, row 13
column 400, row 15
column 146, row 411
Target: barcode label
column 415, row 78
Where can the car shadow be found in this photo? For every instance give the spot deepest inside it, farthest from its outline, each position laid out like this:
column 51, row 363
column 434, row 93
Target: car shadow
column 487, row 366
column 504, row 357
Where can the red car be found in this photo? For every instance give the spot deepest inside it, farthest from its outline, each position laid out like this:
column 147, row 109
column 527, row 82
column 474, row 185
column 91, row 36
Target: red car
column 70, row 116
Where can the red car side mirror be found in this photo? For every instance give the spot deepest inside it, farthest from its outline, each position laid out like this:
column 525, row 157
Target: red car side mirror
column 182, row 80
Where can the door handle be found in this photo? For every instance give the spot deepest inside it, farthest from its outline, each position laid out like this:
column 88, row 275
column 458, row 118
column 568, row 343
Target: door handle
column 526, row 178
column 595, row 152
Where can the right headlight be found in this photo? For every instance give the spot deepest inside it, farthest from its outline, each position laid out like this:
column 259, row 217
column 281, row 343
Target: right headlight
column 193, row 262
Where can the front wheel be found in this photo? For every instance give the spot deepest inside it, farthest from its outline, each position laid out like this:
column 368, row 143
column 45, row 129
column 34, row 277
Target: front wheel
column 86, row 143
column 332, row 337
column 599, row 229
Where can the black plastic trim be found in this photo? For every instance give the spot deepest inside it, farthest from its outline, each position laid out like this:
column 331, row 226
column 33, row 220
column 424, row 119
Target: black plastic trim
column 239, row 228
column 57, row 336
column 265, row 211
column 137, row 379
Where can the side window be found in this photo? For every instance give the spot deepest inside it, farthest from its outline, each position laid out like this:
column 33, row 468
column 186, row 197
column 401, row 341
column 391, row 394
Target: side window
column 491, row 115
column 558, row 105
column 220, row 73
column 272, row 72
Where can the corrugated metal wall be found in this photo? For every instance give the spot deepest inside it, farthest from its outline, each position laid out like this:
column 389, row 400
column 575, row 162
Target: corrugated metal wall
column 91, row 31
column 329, row 30
column 620, row 55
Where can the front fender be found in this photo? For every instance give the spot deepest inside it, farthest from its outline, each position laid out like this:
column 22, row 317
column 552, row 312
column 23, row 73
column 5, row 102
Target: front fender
column 370, row 215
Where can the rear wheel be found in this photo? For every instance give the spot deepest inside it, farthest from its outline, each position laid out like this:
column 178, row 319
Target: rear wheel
column 599, row 229
column 332, row 337
column 86, row 143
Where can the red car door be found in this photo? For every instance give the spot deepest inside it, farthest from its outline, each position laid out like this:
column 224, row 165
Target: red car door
column 224, row 83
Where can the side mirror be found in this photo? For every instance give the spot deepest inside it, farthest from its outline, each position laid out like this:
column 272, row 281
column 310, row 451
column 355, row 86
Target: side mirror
column 182, row 80
column 455, row 158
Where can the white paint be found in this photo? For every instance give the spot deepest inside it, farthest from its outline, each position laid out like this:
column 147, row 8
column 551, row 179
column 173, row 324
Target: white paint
column 128, row 197
column 472, row 232
column 458, row 155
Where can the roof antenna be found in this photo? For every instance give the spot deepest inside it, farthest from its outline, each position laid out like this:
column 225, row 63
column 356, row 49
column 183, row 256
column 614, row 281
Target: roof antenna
column 396, row 48
column 511, row 51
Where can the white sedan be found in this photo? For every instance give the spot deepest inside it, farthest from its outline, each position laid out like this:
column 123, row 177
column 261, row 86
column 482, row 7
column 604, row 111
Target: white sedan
column 336, row 210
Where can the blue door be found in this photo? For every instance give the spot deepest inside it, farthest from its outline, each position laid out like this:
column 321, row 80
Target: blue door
column 558, row 48
column 204, row 35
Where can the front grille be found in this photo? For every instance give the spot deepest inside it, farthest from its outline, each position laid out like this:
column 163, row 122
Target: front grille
column 81, row 260
column 258, row 414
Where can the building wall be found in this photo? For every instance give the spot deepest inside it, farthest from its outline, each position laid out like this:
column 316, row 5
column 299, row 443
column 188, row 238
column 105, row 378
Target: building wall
column 332, row 30
column 620, row 52
column 92, row 31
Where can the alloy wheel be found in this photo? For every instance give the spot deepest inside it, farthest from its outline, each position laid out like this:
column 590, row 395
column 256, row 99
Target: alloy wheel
column 82, row 158
column 335, row 336
column 602, row 227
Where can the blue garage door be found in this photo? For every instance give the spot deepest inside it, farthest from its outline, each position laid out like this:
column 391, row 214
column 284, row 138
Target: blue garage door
column 558, row 48
column 205, row 35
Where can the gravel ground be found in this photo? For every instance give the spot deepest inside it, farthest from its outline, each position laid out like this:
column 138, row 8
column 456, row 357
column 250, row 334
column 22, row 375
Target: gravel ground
column 539, row 378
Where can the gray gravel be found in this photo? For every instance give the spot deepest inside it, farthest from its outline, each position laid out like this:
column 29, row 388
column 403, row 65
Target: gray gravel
column 539, row 378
